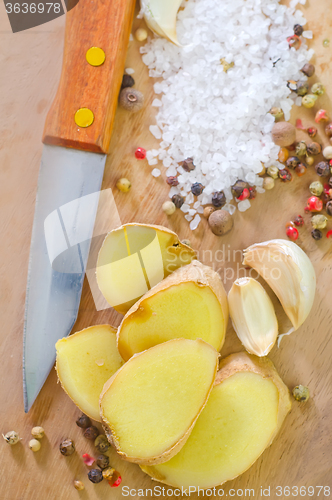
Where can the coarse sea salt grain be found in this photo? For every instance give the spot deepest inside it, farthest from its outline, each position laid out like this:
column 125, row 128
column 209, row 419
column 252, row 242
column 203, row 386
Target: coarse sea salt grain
column 129, row 71
column 221, row 119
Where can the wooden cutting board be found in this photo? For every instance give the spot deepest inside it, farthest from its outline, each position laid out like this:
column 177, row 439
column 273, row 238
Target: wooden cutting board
column 301, row 454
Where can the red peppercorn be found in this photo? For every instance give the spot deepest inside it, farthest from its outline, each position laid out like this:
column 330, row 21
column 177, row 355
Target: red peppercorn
column 292, row 233
column 253, row 192
column 140, row 153
column 285, row 175
column 314, row 204
column 321, row 115
column 245, row 194
column 298, row 221
column 329, row 233
column 294, row 41
column 172, row 180
column 312, row 131
column 328, row 129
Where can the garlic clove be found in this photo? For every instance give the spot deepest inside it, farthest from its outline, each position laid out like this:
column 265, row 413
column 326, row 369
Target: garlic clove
column 160, row 16
column 253, row 316
column 289, row 272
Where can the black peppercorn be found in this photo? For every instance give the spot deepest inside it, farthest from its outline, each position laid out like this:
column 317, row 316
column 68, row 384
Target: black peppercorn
column 314, row 148
column 302, row 88
column 298, row 29
column 83, row 421
column 127, row 81
column 238, row 187
column 218, row 199
column 178, row 200
column 317, row 234
column 67, row 447
column 322, row 168
column 329, row 208
column 102, row 444
column 292, row 162
column 172, row 180
column 95, row 475
column 103, row 461
column 188, row 164
column 197, row 189
column 308, row 69
column 285, row 175
column 91, row 433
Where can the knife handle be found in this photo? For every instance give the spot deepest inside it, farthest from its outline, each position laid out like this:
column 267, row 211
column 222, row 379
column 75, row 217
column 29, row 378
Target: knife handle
column 105, row 24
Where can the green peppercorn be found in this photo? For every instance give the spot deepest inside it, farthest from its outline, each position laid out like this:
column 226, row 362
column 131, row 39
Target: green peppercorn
column 316, row 188
column 301, row 148
column 292, row 162
column 188, row 164
column 277, row 113
column 91, row 433
column 197, row 188
column 95, row 475
column 273, row 171
column 308, row 69
column 322, row 168
column 102, row 461
column 318, row 89
column 83, row 421
column 302, row 88
column 309, row 100
column 301, row 393
column 319, row 221
column 178, row 200
column 218, row 199
column 102, row 444
column 298, row 29
column 317, row 234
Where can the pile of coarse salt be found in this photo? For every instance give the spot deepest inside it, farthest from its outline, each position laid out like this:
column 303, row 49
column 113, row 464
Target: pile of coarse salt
column 219, row 118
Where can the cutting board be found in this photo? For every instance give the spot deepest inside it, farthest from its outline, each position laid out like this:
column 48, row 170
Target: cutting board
column 301, row 454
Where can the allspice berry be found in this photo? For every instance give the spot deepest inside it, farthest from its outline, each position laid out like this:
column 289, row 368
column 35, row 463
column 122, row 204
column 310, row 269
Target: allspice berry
column 91, row 433
column 283, row 134
column 67, row 447
column 131, row 99
column 83, row 421
column 78, row 485
column 34, row 445
column 38, row 432
column 220, row 222
column 308, row 69
column 102, row 444
column 95, row 475
column 103, row 461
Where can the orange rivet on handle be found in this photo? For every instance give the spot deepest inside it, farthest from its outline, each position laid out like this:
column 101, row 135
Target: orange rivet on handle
column 84, row 117
column 95, row 56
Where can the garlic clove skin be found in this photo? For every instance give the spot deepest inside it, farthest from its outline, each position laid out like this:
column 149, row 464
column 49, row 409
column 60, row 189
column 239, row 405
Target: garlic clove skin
column 289, row 272
column 160, row 16
column 253, row 316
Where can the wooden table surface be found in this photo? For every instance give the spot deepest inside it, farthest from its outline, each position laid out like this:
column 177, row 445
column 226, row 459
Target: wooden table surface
column 301, row 454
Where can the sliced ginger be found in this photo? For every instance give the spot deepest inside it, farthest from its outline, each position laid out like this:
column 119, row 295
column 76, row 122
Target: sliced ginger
column 134, row 258
column 245, row 410
column 190, row 303
column 150, row 405
column 84, row 362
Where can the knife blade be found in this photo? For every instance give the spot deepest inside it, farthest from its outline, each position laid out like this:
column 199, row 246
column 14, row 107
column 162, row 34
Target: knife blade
column 70, row 177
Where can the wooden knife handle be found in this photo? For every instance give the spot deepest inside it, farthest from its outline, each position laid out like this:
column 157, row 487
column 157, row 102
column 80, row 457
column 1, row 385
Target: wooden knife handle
column 91, row 23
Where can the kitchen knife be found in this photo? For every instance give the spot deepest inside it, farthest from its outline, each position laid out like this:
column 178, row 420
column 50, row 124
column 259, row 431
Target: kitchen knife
column 76, row 139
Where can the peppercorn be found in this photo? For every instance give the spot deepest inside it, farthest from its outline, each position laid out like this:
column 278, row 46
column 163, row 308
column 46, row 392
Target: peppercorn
column 168, row 207
column 187, row 242
column 328, row 130
column 327, row 152
column 34, row 445
column 178, row 200
column 78, row 485
column 318, row 89
column 308, row 69
column 321, row 116
column 268, row 183
column 301, row 169
column 11, row 437
column 238, row 187
column 316, row 188
column 277, row 113
column 310, row 160
column 123, row 185
column 188, row 164
column 301, row 148
column 312, row 131
column 314, row 204
column 102, row 444
column 140, row 153
column 208, row 211
column 197, row 188
column 273, row 171
column 322, row 168
column 302, row 88
column 294, row 42
column 330, row 182
column 95, row 475
column 38, row 432
column 292, row 162
column 326, row 42
column 108, row 473
column 285, row 175
column 172, row 180
column 283, row 155
column 329, row 208
column 317, row 234
column 319, row 221
column 218, row 199
column 83, row 421
column 91, row 433
column 314, row 148
column 141, row 34
column 301, row 393
column 245, row 195
column 253, row 192
column 127, row 81
column 291, row 84
column 292, row 233
column 102, row 461
column 298, row 221
column 298, row 29
column 263, row 171
column 131, row 99
column 67, row 447
column 309, row 100
column 325, row 197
